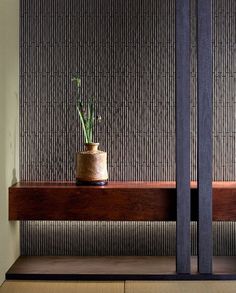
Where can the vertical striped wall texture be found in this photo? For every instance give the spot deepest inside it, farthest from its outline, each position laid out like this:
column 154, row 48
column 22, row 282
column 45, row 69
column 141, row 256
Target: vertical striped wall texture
column 116, row 238
column 124, row 51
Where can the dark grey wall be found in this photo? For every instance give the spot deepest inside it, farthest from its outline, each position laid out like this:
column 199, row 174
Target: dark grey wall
column 124, row 51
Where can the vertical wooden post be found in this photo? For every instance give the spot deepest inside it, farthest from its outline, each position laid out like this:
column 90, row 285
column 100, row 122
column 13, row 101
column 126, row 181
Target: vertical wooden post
column 183, row 243
column 204, row 136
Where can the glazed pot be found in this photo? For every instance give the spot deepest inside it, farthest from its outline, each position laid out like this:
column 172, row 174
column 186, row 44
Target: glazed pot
column 91, row 166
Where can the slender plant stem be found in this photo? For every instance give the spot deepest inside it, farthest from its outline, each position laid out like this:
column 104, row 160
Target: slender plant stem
column 87, row 121
column 90, row 119
column 83, row 124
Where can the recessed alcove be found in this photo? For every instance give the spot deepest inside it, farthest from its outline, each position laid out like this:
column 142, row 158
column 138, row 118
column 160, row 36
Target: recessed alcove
column 125, row 54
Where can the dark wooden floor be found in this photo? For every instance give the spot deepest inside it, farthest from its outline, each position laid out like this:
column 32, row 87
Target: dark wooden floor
column 113, row 268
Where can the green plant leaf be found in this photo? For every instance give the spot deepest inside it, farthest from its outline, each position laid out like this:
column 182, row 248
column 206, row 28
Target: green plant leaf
column 77, row 80
column 86, row 113
column 83, row 122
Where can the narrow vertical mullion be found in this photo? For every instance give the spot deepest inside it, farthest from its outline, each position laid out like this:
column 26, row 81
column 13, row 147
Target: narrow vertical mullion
column 204, row 47
column 183, row 136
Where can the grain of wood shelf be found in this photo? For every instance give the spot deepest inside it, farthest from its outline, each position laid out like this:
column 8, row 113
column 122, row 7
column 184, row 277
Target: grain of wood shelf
column 114, row 268
column 117, row 201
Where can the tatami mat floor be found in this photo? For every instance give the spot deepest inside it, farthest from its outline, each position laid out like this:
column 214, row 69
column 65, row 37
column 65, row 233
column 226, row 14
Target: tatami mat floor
column 119, row 287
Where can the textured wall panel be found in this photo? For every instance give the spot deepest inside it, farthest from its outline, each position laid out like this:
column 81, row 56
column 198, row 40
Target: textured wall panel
column 97, row 238
column 116, row 238
column 124, row 50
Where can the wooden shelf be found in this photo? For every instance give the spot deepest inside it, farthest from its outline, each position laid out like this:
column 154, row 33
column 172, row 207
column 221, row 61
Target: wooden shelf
column 113, row 268
column 117, row 201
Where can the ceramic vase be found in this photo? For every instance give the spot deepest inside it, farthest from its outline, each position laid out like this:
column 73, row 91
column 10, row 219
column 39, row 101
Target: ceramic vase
column 91, row 166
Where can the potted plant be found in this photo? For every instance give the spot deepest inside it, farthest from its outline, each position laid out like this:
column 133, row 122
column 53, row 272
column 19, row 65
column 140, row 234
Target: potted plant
column 91, row 164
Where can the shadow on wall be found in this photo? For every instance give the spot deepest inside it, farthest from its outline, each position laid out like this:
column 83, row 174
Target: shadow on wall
column 14, row 178
column 14, row 141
